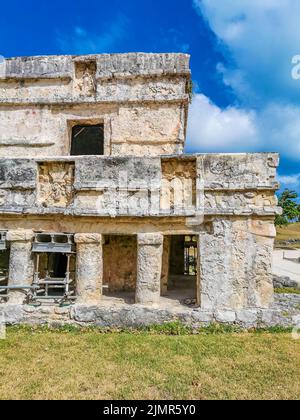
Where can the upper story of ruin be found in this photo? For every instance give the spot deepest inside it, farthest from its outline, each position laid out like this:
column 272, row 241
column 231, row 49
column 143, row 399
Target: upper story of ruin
column 78, row 134
column 108, row 104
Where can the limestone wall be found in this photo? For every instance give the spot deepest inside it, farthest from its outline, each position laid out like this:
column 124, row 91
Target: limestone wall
column 136, row 129
column 190, row 186
column 141, row 99
column 236, row 264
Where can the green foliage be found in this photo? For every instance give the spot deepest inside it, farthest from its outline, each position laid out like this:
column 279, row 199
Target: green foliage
column 171, row 328
column 290, row 208
column 175, row 328
column 216, row 328
column 277, row 329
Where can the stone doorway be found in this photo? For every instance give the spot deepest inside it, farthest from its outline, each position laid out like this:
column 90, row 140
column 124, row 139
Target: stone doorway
column 4, row 270
column 180, row 273
column 119, row 268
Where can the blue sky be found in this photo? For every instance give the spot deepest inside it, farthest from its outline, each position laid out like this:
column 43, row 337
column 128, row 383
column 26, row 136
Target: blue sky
column 245, row 97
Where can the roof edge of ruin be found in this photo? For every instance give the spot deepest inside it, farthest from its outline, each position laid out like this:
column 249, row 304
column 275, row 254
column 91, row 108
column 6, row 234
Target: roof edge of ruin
column 108, row 65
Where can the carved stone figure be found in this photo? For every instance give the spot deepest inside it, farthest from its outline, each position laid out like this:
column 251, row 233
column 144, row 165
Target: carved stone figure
column 55, row 186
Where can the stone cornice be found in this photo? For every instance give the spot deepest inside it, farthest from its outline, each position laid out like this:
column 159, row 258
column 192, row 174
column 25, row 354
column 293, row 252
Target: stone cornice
column 108, row 66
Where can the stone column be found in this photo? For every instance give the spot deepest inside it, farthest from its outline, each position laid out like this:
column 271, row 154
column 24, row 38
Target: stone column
column 149, row 267
column 21, row 267
column 165, row 265
column 89, row 268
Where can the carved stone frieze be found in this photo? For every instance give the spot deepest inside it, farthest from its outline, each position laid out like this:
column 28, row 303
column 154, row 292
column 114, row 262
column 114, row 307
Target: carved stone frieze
column 55, row 186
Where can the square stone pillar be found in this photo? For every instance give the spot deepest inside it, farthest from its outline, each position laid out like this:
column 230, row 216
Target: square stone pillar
column 149, row 267
column 89, row 268
column 165, row 265
column 21, row 267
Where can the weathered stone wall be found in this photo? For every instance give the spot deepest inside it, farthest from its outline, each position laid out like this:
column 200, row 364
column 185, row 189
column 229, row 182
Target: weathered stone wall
column 142, row 100
column 284, row 313
column 239, row 171
column 141, row 186
column 235, row 264
column 102, row 225
column 178, row 191
column 120, row 263
column 137, row 129
column 17, row 182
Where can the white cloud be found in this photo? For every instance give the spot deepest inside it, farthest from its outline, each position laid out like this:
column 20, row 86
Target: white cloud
column 279, row 127
column 275, row 128
column 259, row 39
column 214, row 129
column 262, row 37
column 81, row 41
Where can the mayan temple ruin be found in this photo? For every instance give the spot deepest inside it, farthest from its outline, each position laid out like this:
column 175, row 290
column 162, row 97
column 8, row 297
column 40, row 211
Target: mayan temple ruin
column 103, row 217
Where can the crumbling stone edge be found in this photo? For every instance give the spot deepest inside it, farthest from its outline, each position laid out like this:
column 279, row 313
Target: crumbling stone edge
column 135, row 316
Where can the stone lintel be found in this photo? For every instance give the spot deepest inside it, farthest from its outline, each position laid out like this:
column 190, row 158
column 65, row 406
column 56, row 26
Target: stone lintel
column 22, row 235
column 88, row 238
column 150, row 239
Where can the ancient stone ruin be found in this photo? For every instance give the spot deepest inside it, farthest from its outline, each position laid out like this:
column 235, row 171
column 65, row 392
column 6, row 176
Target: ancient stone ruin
column 105, row 220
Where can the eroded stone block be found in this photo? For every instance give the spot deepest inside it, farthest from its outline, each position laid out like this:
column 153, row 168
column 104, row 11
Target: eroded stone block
column 55, row 186
column 225, row 316
column 150, row 249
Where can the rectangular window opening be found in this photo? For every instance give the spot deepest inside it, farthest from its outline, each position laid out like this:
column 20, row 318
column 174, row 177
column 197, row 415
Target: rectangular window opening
column 54, row 274
column 54, row 262
column 87, row 140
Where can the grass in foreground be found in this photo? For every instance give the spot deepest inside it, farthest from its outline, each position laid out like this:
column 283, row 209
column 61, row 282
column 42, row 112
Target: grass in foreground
column 287, row 290
column 45, row 364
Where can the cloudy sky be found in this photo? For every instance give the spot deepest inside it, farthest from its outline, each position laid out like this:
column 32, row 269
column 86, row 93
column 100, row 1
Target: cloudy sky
column 244, row 60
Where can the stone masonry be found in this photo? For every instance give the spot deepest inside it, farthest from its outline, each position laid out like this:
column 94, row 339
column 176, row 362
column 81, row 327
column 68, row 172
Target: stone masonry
column 131, row 198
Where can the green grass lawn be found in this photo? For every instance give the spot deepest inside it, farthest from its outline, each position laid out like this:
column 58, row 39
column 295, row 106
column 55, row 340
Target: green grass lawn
column 44, row 364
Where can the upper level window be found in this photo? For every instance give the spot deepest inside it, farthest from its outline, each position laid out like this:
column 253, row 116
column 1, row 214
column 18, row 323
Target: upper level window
column 87, row 140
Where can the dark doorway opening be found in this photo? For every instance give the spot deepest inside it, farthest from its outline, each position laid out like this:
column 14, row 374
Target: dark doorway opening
column 87, row 140
column 4, row 268
column 58, row 265
column 181, row 284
